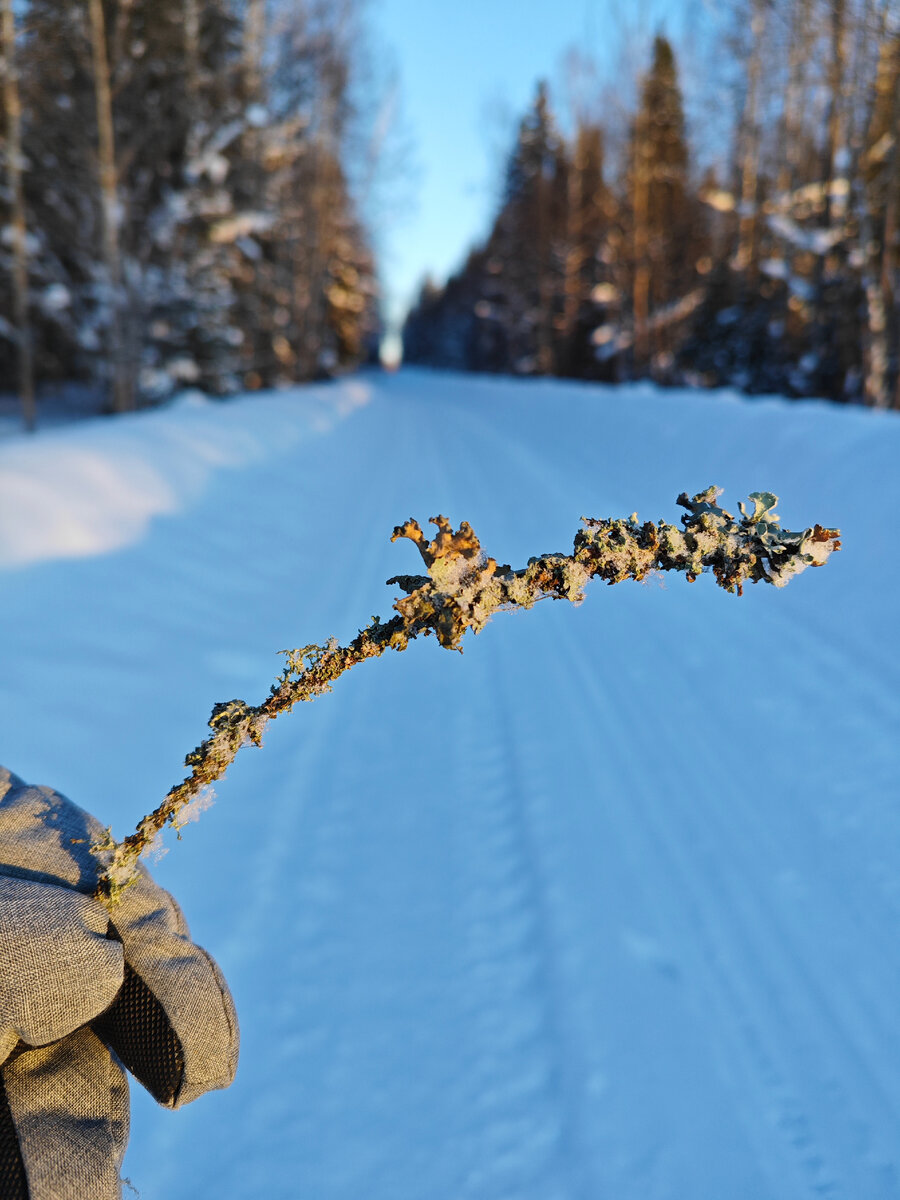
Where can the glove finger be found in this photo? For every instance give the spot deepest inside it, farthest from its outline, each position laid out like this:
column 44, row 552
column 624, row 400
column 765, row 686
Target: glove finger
column 174, row 1024
column 58, row 969
column 137, row 1028
column 69, row 1106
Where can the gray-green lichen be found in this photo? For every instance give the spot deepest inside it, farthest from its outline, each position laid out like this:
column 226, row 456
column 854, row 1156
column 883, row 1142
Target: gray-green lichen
column 754, row 548
column 462, row 589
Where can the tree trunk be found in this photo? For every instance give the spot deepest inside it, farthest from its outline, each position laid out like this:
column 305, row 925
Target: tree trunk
column 867, row 203
column 545, row 280
column 881, row 255
column 834, row 123
column 254, row 38
column 749, row 211
column 573, row 269
column 792, row 116
column 192, row 46
column 641, row 245
column 14, row 167
column 822, row 334
column 122, row 372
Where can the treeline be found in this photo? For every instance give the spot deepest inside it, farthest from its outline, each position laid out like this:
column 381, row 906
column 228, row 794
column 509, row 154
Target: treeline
column 771, row 265
column 178, row 203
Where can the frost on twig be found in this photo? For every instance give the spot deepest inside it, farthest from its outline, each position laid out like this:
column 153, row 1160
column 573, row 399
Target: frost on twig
column 462, row 589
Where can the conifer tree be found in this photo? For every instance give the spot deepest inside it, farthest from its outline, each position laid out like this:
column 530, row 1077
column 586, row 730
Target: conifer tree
column 529, row 239
column 587, row 291
column 61, row 189
column 659, row 212
column 224, row 247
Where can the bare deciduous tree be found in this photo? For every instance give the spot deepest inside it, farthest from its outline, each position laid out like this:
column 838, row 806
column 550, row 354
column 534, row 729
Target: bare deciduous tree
column 122, row 368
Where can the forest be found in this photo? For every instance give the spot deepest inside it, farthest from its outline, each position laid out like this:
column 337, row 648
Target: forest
column 182, row 195
column 183, row 202
column 769, row 263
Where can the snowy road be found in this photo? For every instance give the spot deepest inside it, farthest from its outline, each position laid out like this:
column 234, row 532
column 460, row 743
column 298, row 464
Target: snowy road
column 606, row 907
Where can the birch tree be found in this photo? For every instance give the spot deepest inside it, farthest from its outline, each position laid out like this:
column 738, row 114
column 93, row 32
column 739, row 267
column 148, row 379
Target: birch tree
column 750, row 140
column 122, row 368
column 882, row 176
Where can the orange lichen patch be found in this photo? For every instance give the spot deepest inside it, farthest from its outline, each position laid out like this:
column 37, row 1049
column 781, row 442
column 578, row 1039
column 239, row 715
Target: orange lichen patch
column 447, row 544
column 825, row 535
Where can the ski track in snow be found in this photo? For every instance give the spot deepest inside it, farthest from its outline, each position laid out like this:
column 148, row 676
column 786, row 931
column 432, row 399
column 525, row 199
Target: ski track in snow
column 748, row 954
column 605, row 908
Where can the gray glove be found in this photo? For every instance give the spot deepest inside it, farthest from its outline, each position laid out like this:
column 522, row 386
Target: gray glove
column 82, row 995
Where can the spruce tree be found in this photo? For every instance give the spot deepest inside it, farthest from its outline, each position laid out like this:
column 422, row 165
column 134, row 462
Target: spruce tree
column 660, row 224
column 190, row 194
column 588, row 290
column 529, row 240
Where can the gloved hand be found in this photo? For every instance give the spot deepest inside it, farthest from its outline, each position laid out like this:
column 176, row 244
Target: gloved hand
column 82, row 994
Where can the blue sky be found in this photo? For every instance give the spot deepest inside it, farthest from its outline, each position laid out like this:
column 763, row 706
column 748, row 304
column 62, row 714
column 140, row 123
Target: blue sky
column 468, row 70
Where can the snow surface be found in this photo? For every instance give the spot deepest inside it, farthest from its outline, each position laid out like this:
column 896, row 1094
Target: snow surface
column 606, row 907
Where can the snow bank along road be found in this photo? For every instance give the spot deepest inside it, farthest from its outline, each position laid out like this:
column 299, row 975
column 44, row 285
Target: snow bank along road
column 606, row 907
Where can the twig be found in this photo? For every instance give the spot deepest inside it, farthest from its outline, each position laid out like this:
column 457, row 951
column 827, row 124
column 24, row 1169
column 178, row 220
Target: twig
column 461, row 591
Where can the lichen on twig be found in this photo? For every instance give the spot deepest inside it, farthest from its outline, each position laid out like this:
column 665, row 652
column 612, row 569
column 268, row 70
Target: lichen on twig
column 462, row 589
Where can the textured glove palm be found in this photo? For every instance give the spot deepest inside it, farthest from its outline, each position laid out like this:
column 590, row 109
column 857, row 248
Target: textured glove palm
column 80, row 997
